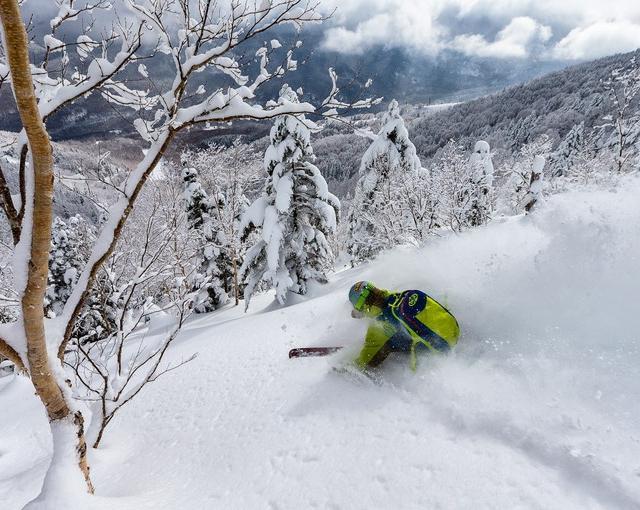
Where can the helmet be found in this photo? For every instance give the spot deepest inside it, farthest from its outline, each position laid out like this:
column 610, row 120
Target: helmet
column 359, row 293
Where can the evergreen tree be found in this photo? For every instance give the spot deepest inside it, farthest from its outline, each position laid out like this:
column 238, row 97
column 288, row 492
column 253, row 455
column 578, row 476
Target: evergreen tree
column 209, row 257
column 569, row 151
column 295, row 214
column 69, row 251
column 482, row 184
column 98, row 318
column 391, row 155
column 521, row 131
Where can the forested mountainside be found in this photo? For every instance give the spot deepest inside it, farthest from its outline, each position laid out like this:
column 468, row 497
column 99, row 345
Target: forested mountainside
column 408, row 76
column 551, row 105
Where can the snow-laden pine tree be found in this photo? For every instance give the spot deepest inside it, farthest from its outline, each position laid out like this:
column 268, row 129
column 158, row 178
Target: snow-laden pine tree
column 389, row 156
column 569, row 151
column 482, row 184
column 295, row 214
column 206, row 280
column 521, row 131
column 99, row 316
column 70, row 241
column 69, row 252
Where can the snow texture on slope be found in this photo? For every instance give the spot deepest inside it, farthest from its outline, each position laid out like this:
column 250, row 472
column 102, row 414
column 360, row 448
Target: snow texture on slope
column 536, row 409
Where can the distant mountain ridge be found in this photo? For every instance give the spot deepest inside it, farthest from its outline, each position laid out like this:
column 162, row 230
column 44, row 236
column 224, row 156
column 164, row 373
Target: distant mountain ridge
column 395, row 73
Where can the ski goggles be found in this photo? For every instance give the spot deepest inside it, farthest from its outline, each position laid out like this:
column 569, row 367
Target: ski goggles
column 363, row 294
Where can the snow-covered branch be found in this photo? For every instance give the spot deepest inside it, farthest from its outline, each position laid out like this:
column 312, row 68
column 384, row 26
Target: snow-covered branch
column 332, row 103
column 200, row 43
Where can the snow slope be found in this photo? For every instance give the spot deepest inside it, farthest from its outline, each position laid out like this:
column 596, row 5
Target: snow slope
column 537, row 408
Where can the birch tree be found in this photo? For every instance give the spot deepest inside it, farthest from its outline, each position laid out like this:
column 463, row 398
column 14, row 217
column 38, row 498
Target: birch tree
column 204, row 38
column 31, row 228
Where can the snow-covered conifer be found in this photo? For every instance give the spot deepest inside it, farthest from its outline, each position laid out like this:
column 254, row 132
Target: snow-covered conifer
column 569, row 151
column 196, row 199
column 207, row 277
column 69, row 251
column 482, row 184
column 295, row 214
column 390, row 155
column 98, row 318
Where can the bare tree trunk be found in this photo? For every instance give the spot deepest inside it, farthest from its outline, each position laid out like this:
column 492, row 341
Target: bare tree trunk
column 39, row 226
column 6, row 202
column 236, row 287
column 621, row 140
column 533, row 200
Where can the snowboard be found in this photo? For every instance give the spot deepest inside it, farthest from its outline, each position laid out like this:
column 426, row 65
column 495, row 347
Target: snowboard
column 306, row 352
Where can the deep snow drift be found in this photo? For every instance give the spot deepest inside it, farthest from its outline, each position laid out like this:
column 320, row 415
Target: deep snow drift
column 537, row 408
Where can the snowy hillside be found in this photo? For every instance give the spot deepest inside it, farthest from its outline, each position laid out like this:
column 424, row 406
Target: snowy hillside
column 551, row 105
column 537, row 408
column 548, row 106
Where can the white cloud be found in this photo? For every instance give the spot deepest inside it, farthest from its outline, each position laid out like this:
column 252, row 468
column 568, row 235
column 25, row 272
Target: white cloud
column 513, row 41
column 599, row 39
column 394, row 23
column 563, row 29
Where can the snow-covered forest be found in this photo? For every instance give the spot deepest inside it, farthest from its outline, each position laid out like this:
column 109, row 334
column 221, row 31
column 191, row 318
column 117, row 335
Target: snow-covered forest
column 154, row 276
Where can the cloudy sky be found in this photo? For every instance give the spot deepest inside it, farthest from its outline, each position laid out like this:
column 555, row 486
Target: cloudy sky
column 545, row 29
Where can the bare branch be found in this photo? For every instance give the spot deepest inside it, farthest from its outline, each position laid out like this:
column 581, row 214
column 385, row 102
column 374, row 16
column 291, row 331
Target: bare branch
column 6, row 202
column 10, row 353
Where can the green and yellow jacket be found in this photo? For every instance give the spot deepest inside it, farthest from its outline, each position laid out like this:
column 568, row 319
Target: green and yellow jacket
column 409, row 321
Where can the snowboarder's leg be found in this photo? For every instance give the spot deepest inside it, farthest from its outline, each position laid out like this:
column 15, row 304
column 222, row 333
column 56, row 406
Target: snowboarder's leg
column 380, row 356
column 374, row 343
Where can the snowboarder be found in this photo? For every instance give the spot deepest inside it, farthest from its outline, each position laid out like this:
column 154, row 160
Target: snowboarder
column 407, row 321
